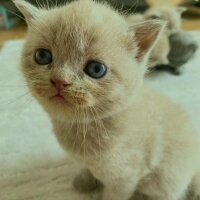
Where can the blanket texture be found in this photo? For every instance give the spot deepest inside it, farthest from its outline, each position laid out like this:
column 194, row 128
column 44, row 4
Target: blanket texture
column 32, row 165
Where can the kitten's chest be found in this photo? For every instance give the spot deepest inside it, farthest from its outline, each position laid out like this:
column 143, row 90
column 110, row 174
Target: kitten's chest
column 85, row 138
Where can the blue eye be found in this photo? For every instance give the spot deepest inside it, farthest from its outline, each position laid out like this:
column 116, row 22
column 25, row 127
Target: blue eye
column 43, row 57
column 154, row 17
column 95, row 69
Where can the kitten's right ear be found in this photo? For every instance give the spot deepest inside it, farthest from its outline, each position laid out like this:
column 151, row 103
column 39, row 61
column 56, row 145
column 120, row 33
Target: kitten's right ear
column 29, row 11
column 181, row 9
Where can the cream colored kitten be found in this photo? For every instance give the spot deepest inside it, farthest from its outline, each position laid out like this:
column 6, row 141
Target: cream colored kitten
column 160, row 52
column 171, row 14
column 85, row 65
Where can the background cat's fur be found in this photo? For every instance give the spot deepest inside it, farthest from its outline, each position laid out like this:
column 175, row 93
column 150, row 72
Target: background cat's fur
column 183, row 48
column 128, row 136
column 172, row 15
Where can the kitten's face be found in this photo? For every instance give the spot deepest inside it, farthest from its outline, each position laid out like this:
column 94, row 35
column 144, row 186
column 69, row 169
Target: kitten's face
column 87, row 48
column 171, row 14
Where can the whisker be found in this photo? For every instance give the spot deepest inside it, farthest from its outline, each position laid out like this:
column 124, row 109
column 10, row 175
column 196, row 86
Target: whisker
column 99, row 141
column 38, row 4
column 101, row 123
column 84, row 134
column 47, row 3
column 13, row 101
column 132, row 9
column 17, row 15
column 14, row 86
column 75, row 120
column 78, row 127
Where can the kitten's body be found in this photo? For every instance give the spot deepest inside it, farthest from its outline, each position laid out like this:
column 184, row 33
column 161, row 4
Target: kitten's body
column 129, row 137
column 173, row 17
column 132, row 151
column 183, row 48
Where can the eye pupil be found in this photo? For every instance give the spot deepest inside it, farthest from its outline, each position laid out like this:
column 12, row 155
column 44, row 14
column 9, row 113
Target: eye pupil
column 155, row 17
column 43, row 57
column 42, row 54
column 95, row 69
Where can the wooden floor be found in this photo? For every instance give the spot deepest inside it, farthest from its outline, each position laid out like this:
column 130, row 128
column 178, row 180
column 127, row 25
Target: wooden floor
column 20, row 31
column 17, row 33
column 191, row 25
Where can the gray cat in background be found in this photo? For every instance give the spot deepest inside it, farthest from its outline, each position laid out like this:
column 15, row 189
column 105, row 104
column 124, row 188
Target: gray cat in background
column 182, row 50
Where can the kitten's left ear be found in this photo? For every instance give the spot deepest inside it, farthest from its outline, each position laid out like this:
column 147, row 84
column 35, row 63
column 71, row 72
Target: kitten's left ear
column 146, row 35
column 181, row 9
column 29, row 11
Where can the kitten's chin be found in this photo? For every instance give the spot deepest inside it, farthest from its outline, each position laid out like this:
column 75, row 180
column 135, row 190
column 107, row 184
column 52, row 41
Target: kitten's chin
column 59, row 104
column 60, row 101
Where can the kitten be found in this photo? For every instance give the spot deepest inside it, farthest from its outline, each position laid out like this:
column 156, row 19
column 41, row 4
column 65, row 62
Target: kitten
column 159, row 54
column 171, row 14
column 173, row 17
column 85, row 65
column 136, row 18
column 182, row 49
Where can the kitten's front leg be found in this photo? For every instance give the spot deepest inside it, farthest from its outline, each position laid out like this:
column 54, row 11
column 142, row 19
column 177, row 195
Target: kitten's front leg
column 85, row 182
column 121, row 189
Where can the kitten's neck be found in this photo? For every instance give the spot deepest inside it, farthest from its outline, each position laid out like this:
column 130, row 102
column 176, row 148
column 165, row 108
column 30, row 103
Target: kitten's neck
column 94, row 136
column 87, row 138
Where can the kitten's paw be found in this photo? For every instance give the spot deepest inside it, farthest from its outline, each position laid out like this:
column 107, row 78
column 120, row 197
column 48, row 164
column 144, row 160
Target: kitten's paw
column 86, row 182
column 177, row 71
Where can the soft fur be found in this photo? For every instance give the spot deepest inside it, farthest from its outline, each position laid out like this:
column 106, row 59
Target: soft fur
column 183, row 48
column 171, row 14
column 160, row 52
column 129, row 137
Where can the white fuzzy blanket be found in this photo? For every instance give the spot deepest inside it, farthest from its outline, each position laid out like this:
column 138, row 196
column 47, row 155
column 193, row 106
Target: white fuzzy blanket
column 32, row 165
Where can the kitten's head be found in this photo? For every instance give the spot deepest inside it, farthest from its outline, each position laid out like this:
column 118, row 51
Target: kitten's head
column 169, row 13
column 84, row 56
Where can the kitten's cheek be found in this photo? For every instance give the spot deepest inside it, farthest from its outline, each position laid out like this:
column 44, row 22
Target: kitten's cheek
column 87, row 101
column 90, row 100
column 41, row 93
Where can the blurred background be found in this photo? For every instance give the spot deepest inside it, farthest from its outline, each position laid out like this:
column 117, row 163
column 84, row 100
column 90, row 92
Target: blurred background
column 12, row 27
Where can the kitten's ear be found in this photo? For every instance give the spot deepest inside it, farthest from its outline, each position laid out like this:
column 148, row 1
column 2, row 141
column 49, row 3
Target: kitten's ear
column 181, row 9
column 29, row 11
column 146, row 35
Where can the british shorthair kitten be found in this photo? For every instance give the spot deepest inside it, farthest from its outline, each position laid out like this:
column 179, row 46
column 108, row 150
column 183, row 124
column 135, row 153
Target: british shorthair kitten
column 172, row 14
column 85, row 65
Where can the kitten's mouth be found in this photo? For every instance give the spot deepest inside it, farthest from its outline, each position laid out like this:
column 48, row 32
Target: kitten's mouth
column 74, row 99
column 58, row 97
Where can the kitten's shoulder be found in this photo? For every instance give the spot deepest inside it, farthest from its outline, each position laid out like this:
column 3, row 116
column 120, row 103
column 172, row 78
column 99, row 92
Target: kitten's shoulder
column 162, row 107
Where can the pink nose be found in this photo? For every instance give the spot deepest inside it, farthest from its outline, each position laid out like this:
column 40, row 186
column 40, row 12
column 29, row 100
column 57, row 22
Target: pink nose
column 60, row 84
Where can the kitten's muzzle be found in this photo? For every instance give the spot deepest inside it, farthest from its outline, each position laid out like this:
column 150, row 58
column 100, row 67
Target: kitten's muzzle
column 60, row 84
